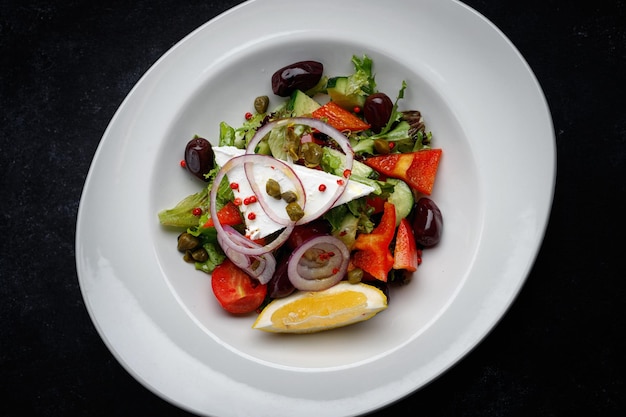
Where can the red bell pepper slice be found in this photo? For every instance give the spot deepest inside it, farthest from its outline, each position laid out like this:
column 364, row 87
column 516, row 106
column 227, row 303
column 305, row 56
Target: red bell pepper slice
column 405, row 250
column 418, row 169
column 372, row 253
column 339, row 118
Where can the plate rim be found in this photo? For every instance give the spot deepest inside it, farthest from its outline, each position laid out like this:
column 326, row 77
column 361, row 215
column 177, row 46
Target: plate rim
column 381, row 398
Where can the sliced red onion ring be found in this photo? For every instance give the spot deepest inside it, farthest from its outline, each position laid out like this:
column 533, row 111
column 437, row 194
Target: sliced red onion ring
column 262, row 194
column 261, row 267
column 230, row 237
column 328, row 130
column 318, row 264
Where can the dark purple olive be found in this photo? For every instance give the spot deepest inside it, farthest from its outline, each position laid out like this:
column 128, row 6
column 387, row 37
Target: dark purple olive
column 427, row 222
column 279, row 285
column 377, row 111
column 199, row 157
column 302, row 75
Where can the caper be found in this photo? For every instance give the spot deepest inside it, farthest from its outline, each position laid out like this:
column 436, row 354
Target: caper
column 311, row 153
column 289, row 196
column 355, row 276
column 187, row 242
column 381, row 146
column 294, row 211
column 261, row 103
column 199, row 255
column 292, row 143
column 272, row 188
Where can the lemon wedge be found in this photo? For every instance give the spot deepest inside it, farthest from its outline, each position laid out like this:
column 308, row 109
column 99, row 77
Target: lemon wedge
column 314, row 311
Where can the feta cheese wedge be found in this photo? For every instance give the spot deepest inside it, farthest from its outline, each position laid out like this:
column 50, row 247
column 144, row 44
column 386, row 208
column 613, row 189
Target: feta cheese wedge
column 258, row 223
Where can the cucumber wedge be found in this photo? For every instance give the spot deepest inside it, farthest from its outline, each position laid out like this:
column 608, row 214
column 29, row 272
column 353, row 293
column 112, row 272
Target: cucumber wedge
column 337, row 89
column 402, row 198
column 300, row 104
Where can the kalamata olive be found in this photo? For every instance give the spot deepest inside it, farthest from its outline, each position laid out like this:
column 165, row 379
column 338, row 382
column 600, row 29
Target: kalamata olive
column 377, row 111
column 427, row 222
column 199, row 157
column 302, row 75
column 279, row 285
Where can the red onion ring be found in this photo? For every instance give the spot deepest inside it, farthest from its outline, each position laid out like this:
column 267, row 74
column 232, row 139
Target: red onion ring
column 328, row 130
column 310, row 275
column 260, row 194
column 260, row 267
column 257, row 260
column 230, row 237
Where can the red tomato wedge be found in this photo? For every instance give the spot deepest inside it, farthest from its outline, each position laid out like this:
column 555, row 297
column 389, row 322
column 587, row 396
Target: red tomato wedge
column 418, row 169
column 405, row 250
column 227, row 215
column 339, row 118
column 236, row 291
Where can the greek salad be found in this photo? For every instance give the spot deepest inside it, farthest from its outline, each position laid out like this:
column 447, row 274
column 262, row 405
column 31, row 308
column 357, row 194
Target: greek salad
column 326, row 180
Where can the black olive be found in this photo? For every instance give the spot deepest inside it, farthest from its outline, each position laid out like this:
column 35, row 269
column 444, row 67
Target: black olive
column 199, row 157
column 377, row 111
column 427, row 222
column 302, row 75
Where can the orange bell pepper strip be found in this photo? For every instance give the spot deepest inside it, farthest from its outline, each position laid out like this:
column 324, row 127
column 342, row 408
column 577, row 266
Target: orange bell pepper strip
column 227, row 215
column 405, row 251
column 339, row 118
column 418, row 169
column 372, row 253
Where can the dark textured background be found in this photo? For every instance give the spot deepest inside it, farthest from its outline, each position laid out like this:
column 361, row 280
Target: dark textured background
column 65, row 67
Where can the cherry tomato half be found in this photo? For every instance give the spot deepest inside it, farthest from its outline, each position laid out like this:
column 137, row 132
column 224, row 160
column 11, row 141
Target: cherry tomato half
column 235, row 290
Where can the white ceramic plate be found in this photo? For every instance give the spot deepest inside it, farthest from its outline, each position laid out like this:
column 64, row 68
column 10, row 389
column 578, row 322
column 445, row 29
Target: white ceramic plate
column 494, row 187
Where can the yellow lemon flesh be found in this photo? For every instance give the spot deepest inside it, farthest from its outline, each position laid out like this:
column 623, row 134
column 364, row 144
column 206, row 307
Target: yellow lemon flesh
column 314, row 311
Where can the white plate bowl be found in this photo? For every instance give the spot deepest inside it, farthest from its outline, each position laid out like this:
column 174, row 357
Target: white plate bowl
column 495, row 185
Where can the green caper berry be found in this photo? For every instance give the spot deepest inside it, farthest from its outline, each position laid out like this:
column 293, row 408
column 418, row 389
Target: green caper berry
column 292, row 143
column 355, row 276
column 199, row 255
column 187, row 242
column 311, row 153
column 261, row 103
column 294, row 211
column 381, row 146
column 272, row 188
column 289, row 196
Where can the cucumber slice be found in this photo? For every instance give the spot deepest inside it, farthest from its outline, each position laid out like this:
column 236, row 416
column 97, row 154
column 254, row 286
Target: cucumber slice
column 358, row 168
column 337, row 89
column 402, row 198
column 300, row 104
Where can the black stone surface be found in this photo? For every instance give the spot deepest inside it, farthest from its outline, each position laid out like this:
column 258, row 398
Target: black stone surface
column 65, row 67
